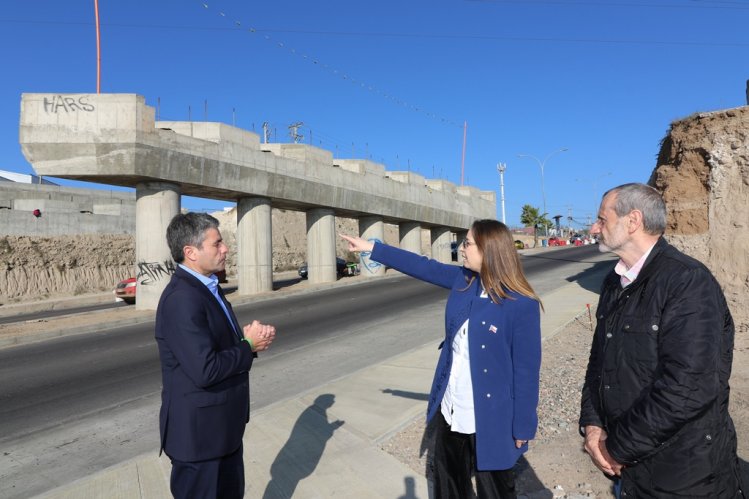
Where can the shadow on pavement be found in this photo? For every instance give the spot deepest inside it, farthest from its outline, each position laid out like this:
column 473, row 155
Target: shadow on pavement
column 406, row 395
column 592, row 278
column 301, row 453
column 551, row 256
column 284, row 283
column 410, row 486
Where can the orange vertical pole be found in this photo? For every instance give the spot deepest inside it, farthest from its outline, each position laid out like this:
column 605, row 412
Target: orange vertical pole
column 98, row 49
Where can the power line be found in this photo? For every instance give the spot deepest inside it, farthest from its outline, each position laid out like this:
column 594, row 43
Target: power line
column 707, row 4
column 341, row 74
column 365, row 34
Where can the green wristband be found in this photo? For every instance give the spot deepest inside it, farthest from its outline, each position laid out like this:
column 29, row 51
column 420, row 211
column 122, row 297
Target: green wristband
column 249, row 341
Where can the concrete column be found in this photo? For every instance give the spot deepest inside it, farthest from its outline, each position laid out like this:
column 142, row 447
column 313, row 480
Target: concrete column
column 254, row 246
column 460, row 235
column 321, row 245
column 441, row 244
column 156, row 203
column 409, row 234
column 371, row 229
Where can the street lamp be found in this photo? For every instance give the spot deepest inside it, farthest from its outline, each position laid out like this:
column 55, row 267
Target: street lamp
column 541, row 165
column 501, row 167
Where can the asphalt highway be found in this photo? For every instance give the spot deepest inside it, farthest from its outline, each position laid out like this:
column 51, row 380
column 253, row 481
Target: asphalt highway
column 73, row 405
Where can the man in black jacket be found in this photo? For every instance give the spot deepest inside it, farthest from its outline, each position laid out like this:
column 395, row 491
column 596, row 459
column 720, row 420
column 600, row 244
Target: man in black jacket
column 655, row 401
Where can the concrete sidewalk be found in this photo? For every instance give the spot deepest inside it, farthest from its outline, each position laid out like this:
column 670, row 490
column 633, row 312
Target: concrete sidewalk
column 327, row 442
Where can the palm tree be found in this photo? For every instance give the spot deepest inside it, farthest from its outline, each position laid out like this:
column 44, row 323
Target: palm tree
column 531, row 218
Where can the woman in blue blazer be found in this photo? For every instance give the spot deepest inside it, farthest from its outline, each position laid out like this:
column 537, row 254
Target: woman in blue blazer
column 485, row 389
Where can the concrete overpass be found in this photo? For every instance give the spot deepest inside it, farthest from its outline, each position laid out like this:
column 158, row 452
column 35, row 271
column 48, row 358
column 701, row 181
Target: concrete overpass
column 114, row 139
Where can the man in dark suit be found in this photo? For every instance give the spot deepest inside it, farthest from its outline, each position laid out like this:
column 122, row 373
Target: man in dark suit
column 205, row 361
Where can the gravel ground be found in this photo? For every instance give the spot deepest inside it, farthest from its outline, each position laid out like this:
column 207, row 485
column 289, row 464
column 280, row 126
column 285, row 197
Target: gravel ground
column 556, row 466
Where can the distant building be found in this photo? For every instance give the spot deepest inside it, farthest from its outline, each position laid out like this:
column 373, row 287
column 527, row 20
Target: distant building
column 23, row 178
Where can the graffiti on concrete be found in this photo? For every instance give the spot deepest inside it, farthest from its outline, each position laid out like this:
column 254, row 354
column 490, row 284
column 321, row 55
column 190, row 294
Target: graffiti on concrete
column 58, row 103
column 151, row 272
column 370, row 265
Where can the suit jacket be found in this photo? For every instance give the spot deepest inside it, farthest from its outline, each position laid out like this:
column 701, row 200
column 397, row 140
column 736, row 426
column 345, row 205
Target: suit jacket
column 205, row 397
column 504, row 345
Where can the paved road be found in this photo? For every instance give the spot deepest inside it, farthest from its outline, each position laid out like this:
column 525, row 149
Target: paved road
column 74, row 405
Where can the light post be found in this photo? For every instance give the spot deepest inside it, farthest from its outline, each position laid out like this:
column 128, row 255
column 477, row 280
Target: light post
column 541, row 165
column 501, row 167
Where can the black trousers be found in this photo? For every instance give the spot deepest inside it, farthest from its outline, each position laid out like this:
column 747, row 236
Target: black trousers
column 455, row 461
column 221, row 478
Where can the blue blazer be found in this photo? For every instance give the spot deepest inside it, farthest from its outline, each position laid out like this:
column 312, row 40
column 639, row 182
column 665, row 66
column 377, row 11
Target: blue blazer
column 504, row 346
column 205, row 397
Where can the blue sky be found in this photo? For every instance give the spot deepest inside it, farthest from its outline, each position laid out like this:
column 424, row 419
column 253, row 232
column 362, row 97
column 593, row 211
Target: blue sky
column 394, row 81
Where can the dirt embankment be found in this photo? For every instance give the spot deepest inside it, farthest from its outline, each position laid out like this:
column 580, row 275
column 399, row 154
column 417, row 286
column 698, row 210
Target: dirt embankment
column 703, row 173
column 33, row 267
column 39, row 267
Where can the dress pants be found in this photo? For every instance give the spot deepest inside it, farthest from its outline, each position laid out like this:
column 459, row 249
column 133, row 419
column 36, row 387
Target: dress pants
column 215, row 478
column 454, row 462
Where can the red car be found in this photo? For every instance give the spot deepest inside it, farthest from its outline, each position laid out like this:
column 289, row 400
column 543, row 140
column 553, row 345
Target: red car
column 125, row 289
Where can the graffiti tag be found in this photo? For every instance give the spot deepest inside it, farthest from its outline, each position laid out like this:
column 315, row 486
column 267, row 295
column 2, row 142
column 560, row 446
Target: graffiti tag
column 150, row 272
column 366, row 261
column 67, row 104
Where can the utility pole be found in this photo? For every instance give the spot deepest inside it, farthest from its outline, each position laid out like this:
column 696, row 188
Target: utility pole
column 569, row 220
column 501, row 167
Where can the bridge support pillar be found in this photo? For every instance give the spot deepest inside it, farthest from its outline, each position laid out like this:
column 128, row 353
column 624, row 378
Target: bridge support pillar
column 409, row 234
column 321, row 245
column 461, row 235
column 441, row 244
column 156, row 203
column 254, row 246
column 371, row 229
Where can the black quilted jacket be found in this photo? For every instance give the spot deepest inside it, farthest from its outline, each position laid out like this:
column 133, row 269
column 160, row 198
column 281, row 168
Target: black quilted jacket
column 657, row 379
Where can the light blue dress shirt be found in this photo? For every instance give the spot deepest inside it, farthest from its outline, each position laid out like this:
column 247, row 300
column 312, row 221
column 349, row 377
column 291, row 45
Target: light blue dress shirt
column 212, row 284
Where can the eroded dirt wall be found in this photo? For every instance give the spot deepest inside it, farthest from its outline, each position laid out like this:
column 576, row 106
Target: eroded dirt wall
column 703, row 173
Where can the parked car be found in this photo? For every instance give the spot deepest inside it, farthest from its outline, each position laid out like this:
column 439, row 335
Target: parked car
column 576, row 239
column 519, row 244
column 125, row 290
column 341, row 268
column 555, row 241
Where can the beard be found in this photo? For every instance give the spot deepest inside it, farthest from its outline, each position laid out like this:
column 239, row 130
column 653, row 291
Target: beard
column 614, row 241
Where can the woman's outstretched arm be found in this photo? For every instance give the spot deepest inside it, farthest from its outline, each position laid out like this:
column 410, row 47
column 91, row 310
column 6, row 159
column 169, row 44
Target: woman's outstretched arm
column 409, row 263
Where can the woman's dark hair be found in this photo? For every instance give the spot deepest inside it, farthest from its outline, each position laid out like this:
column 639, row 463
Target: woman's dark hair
column 501, row 270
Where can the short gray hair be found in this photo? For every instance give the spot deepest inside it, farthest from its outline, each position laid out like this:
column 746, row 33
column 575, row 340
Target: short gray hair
column 644, row 198
column 188, row 229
